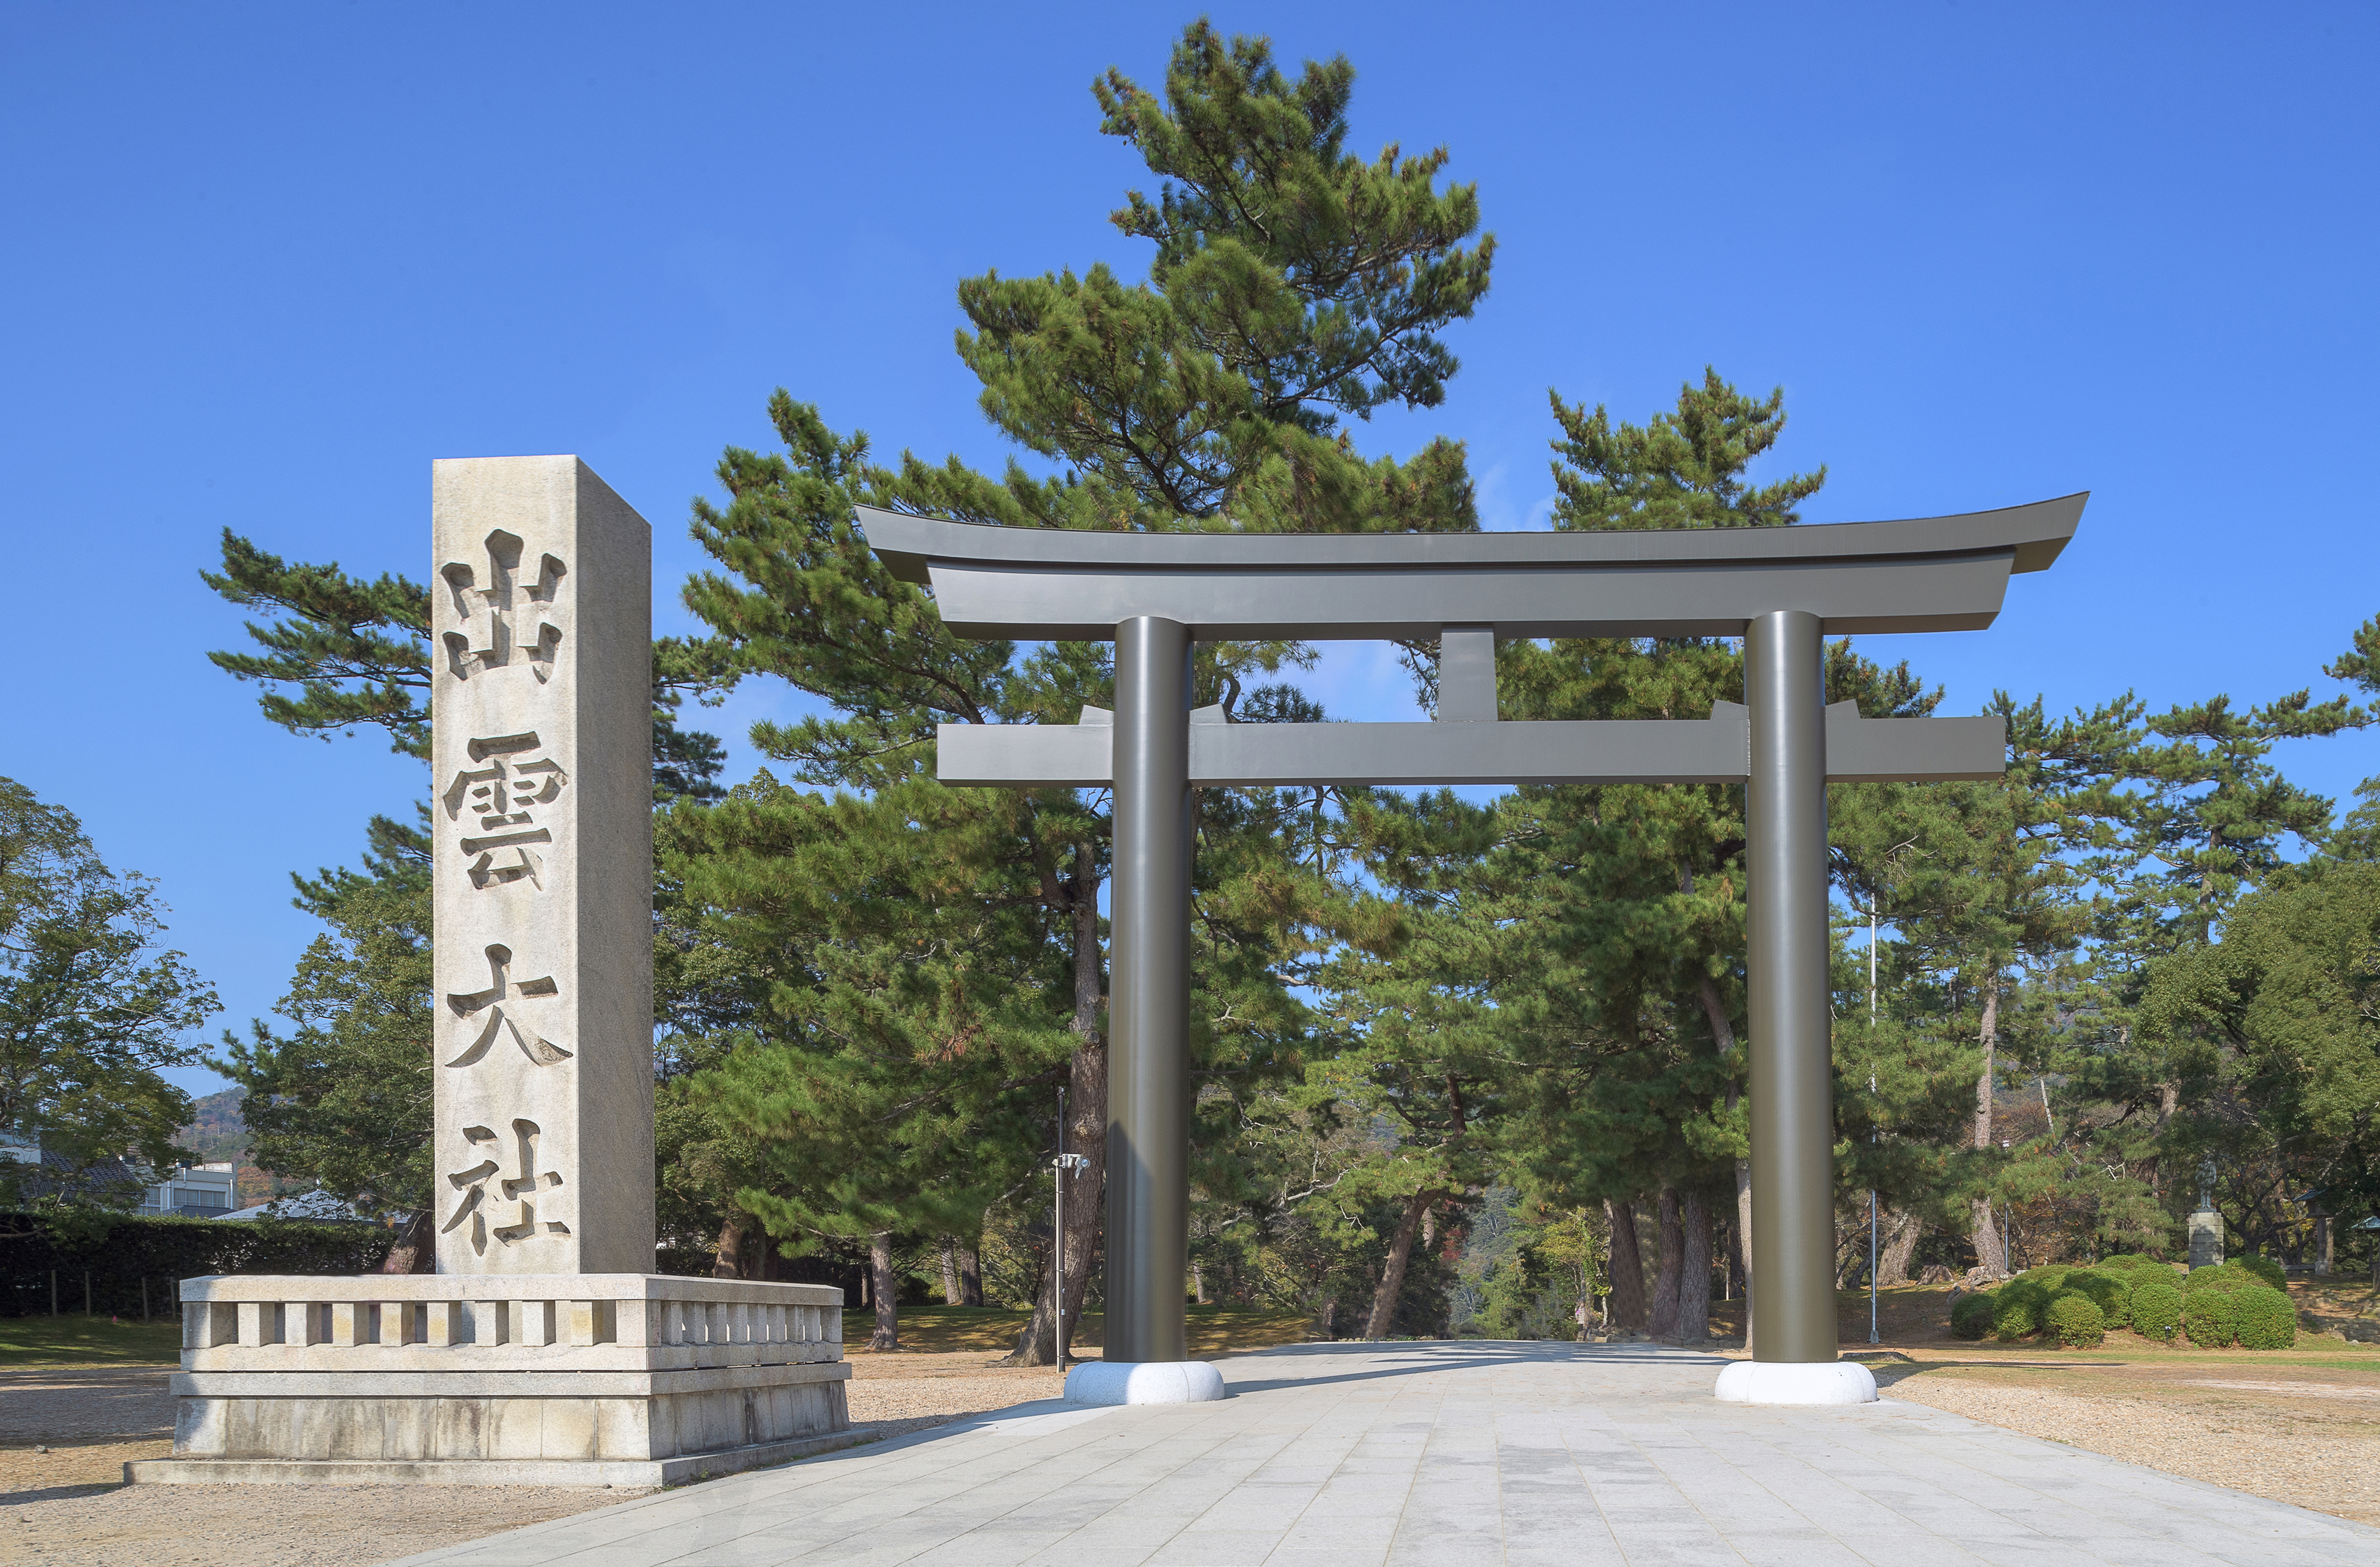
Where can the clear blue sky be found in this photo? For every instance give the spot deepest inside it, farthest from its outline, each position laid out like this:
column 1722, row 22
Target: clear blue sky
column 263, row 263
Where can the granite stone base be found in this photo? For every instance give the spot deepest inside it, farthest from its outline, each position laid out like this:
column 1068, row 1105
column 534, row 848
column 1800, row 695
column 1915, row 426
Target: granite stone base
column 620, row 1474
column 586, row 1379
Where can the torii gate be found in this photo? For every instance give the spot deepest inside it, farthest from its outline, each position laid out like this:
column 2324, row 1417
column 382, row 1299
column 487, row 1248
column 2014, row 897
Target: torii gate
column 1782, row 589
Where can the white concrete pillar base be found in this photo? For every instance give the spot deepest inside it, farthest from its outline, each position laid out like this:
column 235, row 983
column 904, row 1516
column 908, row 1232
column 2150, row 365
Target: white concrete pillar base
column 1144, row 1381
column 1780, row 1381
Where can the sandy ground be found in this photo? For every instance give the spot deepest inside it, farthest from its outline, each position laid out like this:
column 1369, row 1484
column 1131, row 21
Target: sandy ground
column 2309, row 1436
column 70, row 1508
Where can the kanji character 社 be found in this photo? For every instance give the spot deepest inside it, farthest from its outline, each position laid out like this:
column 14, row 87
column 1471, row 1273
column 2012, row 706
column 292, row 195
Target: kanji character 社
column 483, row 1189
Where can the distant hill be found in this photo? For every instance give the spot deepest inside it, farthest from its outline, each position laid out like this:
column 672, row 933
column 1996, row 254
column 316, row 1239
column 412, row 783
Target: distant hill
column 216, row 1135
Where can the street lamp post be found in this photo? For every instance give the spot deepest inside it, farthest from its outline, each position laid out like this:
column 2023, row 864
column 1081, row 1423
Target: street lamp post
column 1058, row 1167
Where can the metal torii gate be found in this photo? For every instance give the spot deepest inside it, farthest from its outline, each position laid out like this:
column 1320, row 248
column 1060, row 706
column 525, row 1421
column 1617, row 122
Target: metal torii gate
column 1782, row 589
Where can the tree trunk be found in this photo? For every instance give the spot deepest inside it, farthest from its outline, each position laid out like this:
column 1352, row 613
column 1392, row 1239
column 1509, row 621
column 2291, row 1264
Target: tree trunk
column 881, row 1284
column 417, row 1247
column 970, row 1277
column 1695, row 1270
column 1900, row 1237
column 1087, row 1127
column 1198, row 1284
column 1723, row 1035
column 727, row 1258
column 1627, row 1309
column 952, row 1293
column 2168, row 1101
column 1393, row 1273
column 1664, row 1321
column 1982, row 1230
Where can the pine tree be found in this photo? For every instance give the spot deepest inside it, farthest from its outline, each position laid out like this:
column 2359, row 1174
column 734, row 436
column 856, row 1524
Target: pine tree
column 93, row 1010
column 1293, row 286
column 345, row 1100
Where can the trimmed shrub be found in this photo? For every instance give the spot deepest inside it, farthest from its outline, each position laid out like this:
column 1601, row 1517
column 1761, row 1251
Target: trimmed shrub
column 2266, row 1318
column 2156, row 1309
column 2018, row 1313
column 124, row 1256
column 2219, row 1280
column 2212, row 1316
column 2126, row 1261
column 2264, row 1269
column 2111, row 1292
column 2074, row 1317
column 1970, row 1316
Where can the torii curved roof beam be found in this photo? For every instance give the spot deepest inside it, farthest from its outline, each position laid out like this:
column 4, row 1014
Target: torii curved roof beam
column 1921, row 574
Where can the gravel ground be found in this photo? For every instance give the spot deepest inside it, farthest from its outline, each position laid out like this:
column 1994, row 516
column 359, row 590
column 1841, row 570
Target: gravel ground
column 68, row 1507
column 2303, row 1444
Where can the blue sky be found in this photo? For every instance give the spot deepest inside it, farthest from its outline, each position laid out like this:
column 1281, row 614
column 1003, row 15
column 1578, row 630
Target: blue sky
column 265, row 263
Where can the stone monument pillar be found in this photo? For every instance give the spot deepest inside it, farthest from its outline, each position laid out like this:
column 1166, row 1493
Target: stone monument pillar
column 2205, row 1225
column 545, row 1350
column 542, row 824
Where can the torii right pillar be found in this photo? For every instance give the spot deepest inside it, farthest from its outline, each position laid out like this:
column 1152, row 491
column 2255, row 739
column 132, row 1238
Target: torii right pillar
column 1791, row 1025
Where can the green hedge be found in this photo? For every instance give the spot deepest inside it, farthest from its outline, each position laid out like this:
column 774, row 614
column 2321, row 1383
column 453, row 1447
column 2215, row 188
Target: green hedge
column 2020, row 1308
column 2266, row 1318
column 2272, row 1273
column 2240, row 1273
column 2075, row 1318
column 1971, row 1317
column 2111, row 1291
column 2156, row 1309
column 112, row 1257
column 2211, row 1317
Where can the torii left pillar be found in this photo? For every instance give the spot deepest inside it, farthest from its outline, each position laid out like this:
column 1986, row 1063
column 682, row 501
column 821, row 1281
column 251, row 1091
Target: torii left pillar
column 1144, row 1354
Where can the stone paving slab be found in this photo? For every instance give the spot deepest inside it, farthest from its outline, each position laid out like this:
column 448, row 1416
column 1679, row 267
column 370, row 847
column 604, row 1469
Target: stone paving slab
column 1516, row 1454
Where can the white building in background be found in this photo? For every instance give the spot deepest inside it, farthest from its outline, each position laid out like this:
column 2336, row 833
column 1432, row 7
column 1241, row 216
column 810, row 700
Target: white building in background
column 195, row 1191
column 316, row 1204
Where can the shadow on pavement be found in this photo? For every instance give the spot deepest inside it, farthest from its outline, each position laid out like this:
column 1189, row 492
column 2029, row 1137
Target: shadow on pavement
column 1409, row 1359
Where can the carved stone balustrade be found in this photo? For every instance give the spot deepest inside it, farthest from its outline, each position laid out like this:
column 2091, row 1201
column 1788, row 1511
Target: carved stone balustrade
column 598, row 1379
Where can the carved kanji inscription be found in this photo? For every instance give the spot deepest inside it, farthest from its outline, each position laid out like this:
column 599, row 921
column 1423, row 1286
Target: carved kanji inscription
column 505, row 620
column 506, row 797
column 484, row 1190
column 496, row 1011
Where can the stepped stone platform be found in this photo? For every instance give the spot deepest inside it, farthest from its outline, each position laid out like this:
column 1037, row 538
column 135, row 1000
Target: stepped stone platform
column 546, row 1380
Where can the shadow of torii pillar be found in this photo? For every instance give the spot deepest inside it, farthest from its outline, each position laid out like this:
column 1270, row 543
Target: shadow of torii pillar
column 1783, row 590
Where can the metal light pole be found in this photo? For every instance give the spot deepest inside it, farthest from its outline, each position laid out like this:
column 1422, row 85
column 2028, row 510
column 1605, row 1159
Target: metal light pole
column 1870, row 1136
column 1871, row 1218
column 1058, row 1167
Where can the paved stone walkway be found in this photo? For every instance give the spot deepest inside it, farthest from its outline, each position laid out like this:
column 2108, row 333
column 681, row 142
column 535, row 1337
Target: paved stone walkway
column 1449, row 1454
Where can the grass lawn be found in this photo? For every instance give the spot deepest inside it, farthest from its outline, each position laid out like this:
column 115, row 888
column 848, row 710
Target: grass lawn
column 48, row 1342
column 942, row 1329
